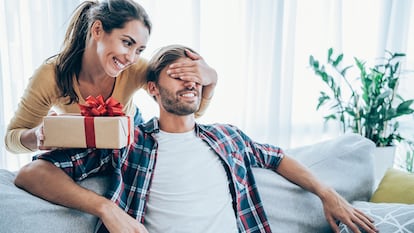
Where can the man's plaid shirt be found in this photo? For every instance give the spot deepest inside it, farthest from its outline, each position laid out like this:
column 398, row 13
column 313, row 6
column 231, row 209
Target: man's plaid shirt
column 132, row 169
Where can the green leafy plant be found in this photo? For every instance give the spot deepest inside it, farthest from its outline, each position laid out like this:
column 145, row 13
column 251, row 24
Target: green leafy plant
column 372, row 106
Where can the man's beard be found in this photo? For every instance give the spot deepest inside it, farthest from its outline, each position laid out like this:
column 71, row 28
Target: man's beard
column 173, row 105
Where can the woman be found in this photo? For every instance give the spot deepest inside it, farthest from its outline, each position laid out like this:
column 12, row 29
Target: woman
column 100, row 56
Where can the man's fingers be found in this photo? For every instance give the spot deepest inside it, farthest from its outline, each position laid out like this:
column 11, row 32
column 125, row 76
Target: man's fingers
column 360, row 213
column 365, row 222
column 332, row 223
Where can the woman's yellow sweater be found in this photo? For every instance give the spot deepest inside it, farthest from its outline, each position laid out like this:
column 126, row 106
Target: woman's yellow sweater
column 42, row 94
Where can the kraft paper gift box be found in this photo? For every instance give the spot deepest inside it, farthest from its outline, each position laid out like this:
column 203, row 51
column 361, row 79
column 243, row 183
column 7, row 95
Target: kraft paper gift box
column 76, row 131
column 102, row 124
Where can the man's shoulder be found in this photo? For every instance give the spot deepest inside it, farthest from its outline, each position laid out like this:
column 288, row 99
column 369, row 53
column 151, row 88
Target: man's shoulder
column 220, row 128
column 149, row 126
column 217, row 125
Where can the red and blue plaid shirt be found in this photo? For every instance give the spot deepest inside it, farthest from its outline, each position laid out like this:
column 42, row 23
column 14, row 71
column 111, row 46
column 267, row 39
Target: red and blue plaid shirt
column 132, row 169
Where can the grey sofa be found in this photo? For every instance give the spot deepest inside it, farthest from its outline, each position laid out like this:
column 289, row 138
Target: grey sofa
column 345, row 163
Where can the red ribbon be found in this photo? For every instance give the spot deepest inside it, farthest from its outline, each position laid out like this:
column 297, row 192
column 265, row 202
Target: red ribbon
column 89, row 132
column 98, row 107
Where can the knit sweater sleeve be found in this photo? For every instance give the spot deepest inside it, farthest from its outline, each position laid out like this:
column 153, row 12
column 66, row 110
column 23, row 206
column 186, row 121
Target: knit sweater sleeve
column 38, row 98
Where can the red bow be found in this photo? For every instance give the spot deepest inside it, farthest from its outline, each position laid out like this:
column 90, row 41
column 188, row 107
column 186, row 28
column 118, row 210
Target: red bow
column 98, row 107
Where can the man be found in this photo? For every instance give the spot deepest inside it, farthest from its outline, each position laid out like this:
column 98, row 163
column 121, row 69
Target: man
column 178, row 176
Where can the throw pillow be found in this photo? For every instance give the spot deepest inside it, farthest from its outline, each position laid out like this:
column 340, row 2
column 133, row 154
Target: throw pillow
column 388, row 217
column 396, row 186
column 344, row 163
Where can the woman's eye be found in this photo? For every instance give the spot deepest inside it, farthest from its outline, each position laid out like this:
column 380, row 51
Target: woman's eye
column 127, row 43
column 139, row 51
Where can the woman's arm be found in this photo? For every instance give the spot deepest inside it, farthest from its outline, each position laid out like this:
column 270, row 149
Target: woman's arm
column 25, row 126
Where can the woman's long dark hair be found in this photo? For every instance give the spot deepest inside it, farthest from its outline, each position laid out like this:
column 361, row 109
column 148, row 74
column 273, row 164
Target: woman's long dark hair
column 113, row 14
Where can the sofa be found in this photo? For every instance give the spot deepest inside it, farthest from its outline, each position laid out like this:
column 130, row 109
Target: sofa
column 345, row 163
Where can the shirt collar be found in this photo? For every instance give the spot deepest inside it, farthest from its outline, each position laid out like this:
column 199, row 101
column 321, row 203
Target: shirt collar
column 153, row 126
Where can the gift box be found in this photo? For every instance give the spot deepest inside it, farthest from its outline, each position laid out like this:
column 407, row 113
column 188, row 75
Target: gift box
column 76, row 131
column 101, row 125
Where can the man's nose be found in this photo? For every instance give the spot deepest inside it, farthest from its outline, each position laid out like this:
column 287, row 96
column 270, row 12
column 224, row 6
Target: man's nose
column 190, row 84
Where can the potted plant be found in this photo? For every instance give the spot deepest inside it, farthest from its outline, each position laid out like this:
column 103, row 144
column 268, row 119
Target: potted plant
column 370, row 108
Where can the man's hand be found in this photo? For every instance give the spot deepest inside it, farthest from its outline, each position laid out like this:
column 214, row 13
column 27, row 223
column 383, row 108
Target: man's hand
column 337, row 208
column 117, row 221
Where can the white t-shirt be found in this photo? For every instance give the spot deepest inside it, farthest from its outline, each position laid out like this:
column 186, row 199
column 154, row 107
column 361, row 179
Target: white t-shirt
column 189, row 190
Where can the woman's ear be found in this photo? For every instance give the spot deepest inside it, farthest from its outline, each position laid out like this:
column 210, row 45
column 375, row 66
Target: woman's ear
column 97, row 29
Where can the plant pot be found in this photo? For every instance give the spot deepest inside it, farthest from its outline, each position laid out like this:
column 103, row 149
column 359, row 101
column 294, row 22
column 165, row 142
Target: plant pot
column 383, row 159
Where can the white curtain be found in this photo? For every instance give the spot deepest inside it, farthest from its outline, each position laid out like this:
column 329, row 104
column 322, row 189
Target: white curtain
column 30, row 32
column 260, row 50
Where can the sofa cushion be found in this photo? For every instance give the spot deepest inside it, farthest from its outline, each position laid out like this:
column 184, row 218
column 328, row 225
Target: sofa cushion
column 388, row 217
column 22, row 212
column 396, row 186
column 344, row 163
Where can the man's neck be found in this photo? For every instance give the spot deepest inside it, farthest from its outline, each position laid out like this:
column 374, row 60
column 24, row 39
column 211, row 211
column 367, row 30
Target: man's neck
column 176, row 124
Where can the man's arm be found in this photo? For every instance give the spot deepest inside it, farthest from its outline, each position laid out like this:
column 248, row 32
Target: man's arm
column 335, row 206
column 49, row 182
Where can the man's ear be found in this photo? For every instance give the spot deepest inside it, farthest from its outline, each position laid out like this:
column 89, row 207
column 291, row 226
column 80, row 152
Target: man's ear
column 97, row 29
column 152, row 88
